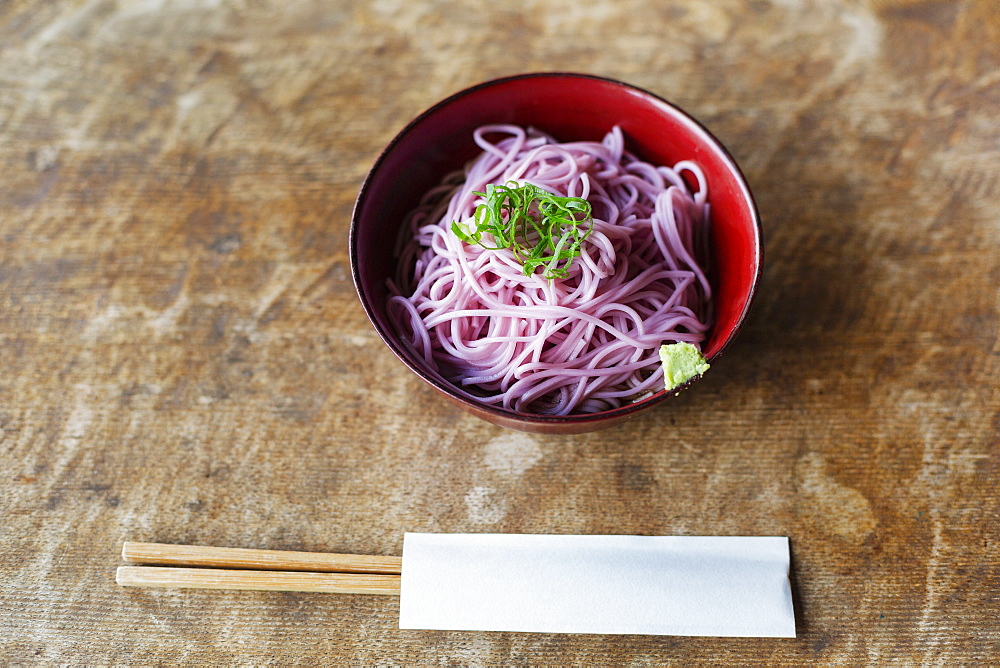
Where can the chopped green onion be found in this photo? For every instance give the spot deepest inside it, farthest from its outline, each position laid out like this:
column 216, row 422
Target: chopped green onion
column 540, row 228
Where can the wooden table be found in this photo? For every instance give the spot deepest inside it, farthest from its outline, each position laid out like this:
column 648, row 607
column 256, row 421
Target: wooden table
column 184, row 358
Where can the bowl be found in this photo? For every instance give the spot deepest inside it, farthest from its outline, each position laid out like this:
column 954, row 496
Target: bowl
column 569, row 107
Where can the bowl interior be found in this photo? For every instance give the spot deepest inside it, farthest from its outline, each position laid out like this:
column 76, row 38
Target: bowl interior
column 569, row 107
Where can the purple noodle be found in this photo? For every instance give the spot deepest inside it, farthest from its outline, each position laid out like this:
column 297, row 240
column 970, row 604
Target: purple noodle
column 585, row 343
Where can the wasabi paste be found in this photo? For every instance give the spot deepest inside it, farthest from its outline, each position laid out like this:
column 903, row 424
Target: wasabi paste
column 681, row 363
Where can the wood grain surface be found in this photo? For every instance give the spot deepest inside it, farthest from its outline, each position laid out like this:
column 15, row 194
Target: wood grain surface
column 183, row 358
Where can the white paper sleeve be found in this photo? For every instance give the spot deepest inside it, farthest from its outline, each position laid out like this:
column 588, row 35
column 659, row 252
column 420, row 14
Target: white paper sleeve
column 659, row 585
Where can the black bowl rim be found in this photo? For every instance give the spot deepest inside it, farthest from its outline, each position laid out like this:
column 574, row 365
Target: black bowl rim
column 532, row 418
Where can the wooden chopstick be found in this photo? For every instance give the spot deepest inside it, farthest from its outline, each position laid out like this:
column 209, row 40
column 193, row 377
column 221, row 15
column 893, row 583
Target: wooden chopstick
column 258, row 570
column 164, row 554
column 216, row 578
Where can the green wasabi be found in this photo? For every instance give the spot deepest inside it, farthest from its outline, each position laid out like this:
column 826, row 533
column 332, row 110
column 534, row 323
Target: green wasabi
column 681, row 363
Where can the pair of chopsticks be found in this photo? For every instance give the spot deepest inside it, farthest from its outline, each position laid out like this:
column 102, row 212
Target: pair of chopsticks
column 258, row 570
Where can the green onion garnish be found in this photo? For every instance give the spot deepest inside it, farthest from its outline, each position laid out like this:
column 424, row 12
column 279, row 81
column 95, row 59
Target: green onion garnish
column 540, row 228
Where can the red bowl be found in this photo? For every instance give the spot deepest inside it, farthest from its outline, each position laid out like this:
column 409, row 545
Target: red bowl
column 570, row 107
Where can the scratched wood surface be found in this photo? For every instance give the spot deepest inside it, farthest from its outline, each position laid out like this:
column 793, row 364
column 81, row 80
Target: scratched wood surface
column 183, row 358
